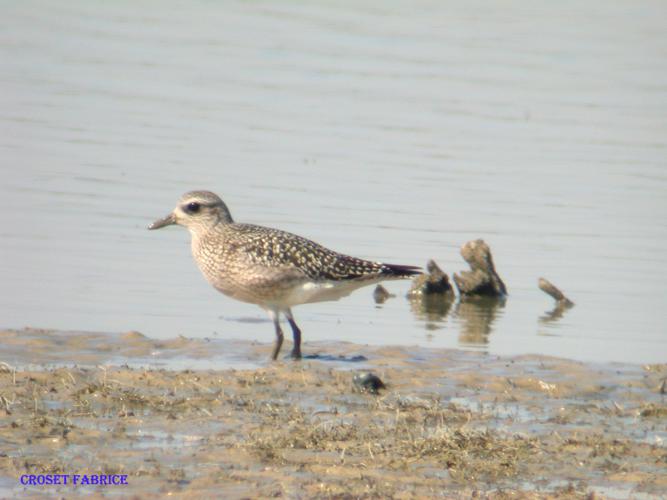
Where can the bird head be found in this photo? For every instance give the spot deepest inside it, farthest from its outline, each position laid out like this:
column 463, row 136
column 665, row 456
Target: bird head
column 196, row 210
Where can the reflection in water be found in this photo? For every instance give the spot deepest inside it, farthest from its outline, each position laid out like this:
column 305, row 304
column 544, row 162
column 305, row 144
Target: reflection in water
column 478, row 315
column 556, row 313
column 433, row 309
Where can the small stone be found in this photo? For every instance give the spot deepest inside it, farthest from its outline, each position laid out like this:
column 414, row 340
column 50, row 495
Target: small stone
column 368, row 382
column 381, row 294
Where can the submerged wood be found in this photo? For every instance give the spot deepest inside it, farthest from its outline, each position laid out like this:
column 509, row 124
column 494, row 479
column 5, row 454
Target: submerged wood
column 550, row 289
column 482, row 279
column 434, row 282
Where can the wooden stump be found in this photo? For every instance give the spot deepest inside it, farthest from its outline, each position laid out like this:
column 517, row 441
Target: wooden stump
column 482, row 279
column 434, row 282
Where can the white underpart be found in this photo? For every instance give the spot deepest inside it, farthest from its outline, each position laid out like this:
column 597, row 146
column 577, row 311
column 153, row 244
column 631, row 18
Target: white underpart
column 321, row 291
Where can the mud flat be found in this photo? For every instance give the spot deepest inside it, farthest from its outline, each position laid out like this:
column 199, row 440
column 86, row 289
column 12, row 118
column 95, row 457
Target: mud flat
column 450, row 424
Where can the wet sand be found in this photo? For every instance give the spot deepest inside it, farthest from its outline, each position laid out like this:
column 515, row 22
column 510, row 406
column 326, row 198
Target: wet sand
column 450, row 424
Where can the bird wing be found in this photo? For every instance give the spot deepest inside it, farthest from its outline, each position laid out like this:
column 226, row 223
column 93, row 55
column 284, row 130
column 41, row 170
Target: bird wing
column 275, row 249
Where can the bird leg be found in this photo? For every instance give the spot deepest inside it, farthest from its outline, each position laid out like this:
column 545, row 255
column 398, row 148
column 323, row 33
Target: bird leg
column 279, row 335
column 296, row 334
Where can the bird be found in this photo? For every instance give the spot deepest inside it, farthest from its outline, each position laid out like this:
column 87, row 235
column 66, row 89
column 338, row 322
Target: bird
column 271, row 268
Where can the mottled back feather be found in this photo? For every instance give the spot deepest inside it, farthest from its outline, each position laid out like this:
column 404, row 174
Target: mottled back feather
column 273, row 248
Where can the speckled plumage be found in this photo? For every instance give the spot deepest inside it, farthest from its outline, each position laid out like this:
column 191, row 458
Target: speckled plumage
column 269, row 267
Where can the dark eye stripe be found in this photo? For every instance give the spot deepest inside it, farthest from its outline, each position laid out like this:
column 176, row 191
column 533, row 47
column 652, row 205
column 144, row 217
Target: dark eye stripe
column 195, row 206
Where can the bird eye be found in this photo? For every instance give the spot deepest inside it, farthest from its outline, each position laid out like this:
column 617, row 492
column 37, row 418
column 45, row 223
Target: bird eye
column 192, row 207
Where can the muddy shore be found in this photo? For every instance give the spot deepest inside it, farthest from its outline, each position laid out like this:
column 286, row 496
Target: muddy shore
column 450, row 424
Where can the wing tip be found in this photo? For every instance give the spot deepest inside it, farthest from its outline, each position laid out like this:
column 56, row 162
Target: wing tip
column 400, row 271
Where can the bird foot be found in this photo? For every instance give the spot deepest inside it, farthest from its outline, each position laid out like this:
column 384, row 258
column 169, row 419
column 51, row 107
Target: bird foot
column 295, row 355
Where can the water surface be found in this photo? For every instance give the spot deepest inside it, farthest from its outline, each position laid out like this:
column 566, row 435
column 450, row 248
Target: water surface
column 392, row 131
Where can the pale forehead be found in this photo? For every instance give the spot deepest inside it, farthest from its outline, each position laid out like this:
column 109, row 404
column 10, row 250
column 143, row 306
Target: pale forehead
column 200, row 196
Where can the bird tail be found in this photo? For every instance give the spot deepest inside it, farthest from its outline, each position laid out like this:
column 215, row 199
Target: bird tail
column 398, row 271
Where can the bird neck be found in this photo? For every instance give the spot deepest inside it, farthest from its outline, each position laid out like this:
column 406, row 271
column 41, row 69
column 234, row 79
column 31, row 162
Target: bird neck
column 224, row 216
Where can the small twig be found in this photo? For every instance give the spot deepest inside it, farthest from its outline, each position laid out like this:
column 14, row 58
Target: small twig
column 9, row 368
column 202, row 387
column 104, row 379
column 114, row 381
column 6, row 403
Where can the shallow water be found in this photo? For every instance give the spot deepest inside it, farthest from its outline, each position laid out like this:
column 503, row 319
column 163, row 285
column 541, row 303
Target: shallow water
column 393, row 132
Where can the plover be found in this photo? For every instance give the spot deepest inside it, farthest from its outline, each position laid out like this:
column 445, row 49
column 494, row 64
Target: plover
column 271, row 268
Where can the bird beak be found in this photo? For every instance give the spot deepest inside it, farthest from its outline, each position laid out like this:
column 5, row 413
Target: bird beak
column 167, row 221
